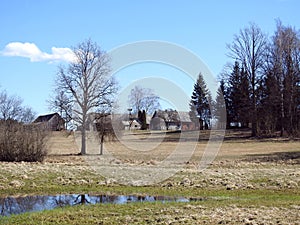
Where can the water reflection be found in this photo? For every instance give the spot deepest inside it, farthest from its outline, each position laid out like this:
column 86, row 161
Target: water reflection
column 17, row 205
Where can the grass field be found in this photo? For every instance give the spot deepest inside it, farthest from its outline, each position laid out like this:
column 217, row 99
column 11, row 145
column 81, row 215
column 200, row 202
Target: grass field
column 251, row 181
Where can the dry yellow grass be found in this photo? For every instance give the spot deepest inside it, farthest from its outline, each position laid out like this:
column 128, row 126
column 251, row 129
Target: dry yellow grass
column 145, row 147
column 62, row 143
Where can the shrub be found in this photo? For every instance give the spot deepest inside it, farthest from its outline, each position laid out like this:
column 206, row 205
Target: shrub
column 20, row 142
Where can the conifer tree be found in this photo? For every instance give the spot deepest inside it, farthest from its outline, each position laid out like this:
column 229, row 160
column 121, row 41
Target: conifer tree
column 200, row 103
column 220, row 106
column 237, row 97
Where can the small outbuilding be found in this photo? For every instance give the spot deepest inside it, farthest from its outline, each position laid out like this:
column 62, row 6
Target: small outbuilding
column 51, row 122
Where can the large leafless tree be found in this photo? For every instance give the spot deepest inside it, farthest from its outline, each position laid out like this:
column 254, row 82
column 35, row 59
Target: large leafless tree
column 248, row 47
column 143, row 99
column 88, row 83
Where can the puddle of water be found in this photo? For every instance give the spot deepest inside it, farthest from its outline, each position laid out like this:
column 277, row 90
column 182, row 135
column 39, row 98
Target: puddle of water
column 17, row 205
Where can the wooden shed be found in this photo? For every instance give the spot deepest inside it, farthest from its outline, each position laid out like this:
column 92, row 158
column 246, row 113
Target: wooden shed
column 51, row 122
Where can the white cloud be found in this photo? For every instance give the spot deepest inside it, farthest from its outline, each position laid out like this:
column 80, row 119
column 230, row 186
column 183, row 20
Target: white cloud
column 31, row 51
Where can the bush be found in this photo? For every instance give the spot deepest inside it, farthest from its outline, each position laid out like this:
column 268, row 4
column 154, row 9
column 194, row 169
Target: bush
column 20, row 142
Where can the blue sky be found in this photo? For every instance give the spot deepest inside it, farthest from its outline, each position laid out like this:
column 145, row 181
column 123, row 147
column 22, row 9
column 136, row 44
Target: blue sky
column 203, row 27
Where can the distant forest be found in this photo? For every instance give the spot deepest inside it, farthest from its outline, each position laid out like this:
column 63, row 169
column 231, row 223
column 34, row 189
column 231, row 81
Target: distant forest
column 261, row 88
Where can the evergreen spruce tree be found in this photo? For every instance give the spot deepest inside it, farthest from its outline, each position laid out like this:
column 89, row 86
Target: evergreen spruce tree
column 269, row 110
column 234, row 94
column 142, row 119
column 220, row 106
column 200, row 112
column 245, row 100
column 238, row 97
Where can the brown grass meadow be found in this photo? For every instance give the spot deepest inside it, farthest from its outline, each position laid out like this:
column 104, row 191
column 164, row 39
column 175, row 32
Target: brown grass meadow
column 250, row 181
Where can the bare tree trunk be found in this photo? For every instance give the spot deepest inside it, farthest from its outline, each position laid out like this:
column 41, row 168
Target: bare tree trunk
column 83, row 142
column 282, row 115
column 253, row 80
column 254, row 121
column 254, row 108
column 201, row 124
column 101, row 144
column 83, row 136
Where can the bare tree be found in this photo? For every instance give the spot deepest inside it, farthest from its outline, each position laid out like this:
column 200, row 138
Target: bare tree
column 10, row 106
column 248, row 48
column 88, row 83
column 27, row 115
column 63, row 104
column 11, row 109
column 143, row 99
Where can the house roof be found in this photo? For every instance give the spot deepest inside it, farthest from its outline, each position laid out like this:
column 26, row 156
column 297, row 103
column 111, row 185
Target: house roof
column 45, row 118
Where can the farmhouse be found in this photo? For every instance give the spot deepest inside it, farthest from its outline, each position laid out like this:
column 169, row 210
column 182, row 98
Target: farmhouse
column 171, row 120
column 51, row 122
column 133, row 123
column 161, row 120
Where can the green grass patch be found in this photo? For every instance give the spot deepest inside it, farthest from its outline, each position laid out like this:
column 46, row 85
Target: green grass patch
column 158, row 212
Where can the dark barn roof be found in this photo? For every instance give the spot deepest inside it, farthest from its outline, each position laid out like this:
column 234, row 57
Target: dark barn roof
column 52, row 122
column 44, row 118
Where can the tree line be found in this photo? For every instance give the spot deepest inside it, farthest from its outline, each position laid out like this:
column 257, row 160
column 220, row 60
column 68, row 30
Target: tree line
column 261, row 89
